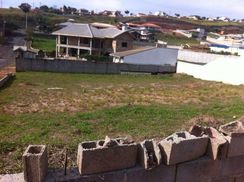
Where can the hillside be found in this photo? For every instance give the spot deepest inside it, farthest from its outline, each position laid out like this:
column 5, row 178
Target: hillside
column 175, row 23
column 38, row 18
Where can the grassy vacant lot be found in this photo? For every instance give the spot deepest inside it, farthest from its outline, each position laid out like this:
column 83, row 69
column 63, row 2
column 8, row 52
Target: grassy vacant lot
column 176, row 40
column 44, row 43
column 61, row 110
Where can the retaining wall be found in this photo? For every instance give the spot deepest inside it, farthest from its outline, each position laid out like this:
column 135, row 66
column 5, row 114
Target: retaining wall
column 72, row 66
column 203, row 154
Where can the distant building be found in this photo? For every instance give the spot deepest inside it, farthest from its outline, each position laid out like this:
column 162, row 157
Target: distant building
column 83, row 12
column 141, row 14
column 142, row 32
column 147, row 56
column 102, row 25
column 143, row 35
column 111, row 13
column 194, row 33
column 24, row 52
column 76, row 39
column 223, row 18
column 194, row 17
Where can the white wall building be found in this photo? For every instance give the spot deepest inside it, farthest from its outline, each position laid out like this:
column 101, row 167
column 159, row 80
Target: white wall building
column 147, row 56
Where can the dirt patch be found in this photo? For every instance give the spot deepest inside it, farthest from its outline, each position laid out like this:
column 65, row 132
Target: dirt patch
column 56, row 157
column 205, row 120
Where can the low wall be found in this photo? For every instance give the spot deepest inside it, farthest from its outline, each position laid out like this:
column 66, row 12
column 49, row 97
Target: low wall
column 203, row 154
column 200, row 57
column 71, row 66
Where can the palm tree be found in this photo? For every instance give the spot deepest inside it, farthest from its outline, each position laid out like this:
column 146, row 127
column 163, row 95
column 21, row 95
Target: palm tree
column 25, row 7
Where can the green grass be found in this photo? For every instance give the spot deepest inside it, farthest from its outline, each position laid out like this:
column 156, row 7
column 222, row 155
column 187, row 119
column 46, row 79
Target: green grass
column 46, row 44
column 176, row 40
column 89, row 107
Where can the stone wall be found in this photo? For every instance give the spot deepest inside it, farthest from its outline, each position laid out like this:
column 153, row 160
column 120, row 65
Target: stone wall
column 72, row 66
column 203, row 154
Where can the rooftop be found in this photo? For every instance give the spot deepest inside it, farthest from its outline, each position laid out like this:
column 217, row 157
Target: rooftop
column 89, row 31
column 131, row 52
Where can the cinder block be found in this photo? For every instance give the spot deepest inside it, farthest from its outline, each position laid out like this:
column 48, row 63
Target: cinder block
column 149, row 155
column 97, row 157
column 35, row 163
column 232, row 166
column 182, row 147
column 218, row 145
column 239, row 178
column 162, row 173
column 200, row 170
column 235, row 137
column 223, row 179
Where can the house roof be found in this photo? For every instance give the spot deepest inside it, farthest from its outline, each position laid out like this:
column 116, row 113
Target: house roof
column 87, row 30
column 102, row 25
column 152, row 25
column 25, row 49
column 75, row 29
column 131, row 52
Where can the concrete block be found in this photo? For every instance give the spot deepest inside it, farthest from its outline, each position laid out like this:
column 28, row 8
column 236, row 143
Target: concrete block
column 136, row 174
column 201, row 170
column 232, row 166
column 161, row 173
column 218, row 145
column 149, row 155
column 182, row 147
column 35, row 163
column 235, row 137
column 232, row 127
column 239, row 178
column 103, row 156
column 223, row 179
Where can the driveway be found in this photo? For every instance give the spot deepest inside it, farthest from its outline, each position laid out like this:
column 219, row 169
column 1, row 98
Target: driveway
column 7, row 56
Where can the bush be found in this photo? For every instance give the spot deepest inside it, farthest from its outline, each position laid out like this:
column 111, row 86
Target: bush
column 96, row 58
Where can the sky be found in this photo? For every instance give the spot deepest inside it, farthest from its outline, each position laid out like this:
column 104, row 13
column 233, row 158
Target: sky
column 208, row 8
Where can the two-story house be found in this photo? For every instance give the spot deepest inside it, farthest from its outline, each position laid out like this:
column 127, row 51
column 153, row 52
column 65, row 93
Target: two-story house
column 76, row 39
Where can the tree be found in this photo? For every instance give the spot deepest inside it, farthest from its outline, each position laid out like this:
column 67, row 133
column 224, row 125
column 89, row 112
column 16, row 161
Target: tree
column 127, row 12
column 44, row 8
column 177, row 15
column 25, row 7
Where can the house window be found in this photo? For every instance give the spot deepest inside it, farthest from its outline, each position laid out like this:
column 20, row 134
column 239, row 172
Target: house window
column 63, row 40
column 84, row 41
column 124, row 44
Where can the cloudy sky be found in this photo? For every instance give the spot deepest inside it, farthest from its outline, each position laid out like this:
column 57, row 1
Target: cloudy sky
column 230, row 8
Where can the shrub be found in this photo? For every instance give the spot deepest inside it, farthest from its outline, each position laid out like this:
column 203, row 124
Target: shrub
column 96, row 58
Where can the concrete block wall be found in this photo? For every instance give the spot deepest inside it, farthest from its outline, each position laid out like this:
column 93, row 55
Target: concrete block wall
column 75, row 66
column 103, row 156
column 204, row 154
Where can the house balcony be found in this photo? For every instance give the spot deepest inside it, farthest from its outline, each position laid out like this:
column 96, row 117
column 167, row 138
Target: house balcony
column 75, row 46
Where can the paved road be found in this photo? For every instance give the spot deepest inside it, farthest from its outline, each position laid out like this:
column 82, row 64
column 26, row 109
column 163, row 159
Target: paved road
column 7, row 56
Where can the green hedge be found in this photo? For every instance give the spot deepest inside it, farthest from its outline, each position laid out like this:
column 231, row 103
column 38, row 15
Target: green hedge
column 96, row 58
